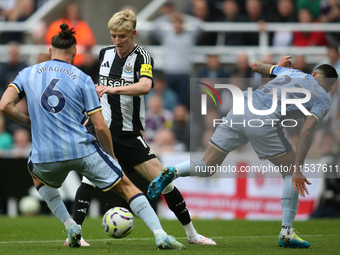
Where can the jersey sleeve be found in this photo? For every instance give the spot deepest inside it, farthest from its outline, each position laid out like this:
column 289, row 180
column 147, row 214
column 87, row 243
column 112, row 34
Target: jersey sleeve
column 18, row 84
column 145, row 65
column 91, row 99
column 101, row 56
column 278, row 70
column 320, row 108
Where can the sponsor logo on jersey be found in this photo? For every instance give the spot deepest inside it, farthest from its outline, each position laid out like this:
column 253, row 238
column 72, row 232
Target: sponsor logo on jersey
column 106, row 81
column 128, row 68
column 146, row 69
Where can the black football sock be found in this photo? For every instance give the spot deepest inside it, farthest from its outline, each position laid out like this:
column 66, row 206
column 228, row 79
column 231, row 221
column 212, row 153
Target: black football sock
column 177, row 204
column 82, row 202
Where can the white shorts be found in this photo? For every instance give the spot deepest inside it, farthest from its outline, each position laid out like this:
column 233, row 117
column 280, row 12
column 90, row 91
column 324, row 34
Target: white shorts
column 268, row 141
column 100, row 168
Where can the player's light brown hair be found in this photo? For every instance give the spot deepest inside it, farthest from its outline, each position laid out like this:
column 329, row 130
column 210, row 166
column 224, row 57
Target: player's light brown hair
column 123, row 21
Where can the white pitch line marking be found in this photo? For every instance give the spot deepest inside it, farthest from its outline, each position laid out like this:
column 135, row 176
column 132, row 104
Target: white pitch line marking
column 145, row 239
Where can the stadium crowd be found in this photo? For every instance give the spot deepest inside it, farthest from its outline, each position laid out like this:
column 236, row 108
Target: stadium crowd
column 168, row 102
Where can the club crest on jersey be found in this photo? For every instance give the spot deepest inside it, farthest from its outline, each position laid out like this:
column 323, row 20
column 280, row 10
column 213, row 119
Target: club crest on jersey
column 128, row 68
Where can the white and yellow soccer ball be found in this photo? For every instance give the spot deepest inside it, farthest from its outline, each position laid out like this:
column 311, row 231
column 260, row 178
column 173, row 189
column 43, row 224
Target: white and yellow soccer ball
column 29, row 206
column 118, row 222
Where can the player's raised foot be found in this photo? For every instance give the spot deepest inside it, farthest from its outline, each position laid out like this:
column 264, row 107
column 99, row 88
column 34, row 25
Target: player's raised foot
column 82, row 242
column 73, row 236
column 199, row 239
column 168, row 242
column 289, row 238
column 161, row 181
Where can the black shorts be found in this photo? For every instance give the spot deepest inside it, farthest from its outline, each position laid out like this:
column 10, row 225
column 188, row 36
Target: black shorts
column 129, row 147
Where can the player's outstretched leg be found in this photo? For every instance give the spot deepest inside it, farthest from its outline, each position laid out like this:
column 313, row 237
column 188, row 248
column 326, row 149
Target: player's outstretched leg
column 288, row 238
column 141, row 207
column 162, row 180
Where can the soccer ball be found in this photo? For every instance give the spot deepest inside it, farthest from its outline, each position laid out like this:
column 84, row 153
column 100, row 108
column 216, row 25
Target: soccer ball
column 118, row 222
column 29, row 206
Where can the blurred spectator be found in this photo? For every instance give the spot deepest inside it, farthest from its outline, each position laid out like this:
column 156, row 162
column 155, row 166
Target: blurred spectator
column 254, row 14
column 312, row 5
column 286, row 13
column 39, row 3
column 91, row 65
column 201, row 12
column 213, row 69
column 5, row 8
column 181, row 125
column 84, row 35
column 177, row 43
column 43, row 57
column 299, row 63
column 231, row 13
column 242, row 68
column 165, row 141
column 333, row 58
column 6, row 140
column 12, row 67
column 166, row 9
column 22, row 144
column 169, row 97
column 156, row 117
column 330, row 12
column 17, row 11
column 313, row 38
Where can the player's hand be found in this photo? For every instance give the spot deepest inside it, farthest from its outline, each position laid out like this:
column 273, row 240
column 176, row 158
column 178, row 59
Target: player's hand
column 85, row 123
column 299, row 181
column 101, row 90
column 285, row 62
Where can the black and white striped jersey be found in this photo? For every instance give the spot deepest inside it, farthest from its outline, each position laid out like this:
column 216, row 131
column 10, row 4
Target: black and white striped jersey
column 121, row 112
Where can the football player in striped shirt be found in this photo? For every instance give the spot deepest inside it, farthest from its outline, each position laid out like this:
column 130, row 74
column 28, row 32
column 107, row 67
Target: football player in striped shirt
column 125, row 76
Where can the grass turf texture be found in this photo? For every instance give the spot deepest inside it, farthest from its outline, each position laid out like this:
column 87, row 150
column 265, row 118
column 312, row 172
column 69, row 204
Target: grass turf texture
column 43, row 235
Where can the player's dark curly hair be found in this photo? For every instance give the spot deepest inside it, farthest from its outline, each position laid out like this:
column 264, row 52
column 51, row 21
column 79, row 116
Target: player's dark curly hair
column 330, row 76
column 65, row 38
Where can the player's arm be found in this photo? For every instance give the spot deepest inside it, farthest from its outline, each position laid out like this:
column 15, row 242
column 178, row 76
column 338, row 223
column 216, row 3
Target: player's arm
column 303, row 145
column 265, row 69
column 142, row 87
column 102, row 132
column 8, row 107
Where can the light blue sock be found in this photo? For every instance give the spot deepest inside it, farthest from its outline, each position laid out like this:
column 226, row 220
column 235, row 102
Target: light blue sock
column 194, row 167
column 142, row 208
column 289, row 201
column 54, row 202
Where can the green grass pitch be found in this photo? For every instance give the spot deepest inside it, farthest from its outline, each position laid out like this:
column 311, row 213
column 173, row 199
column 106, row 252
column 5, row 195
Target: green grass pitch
column 43, row 235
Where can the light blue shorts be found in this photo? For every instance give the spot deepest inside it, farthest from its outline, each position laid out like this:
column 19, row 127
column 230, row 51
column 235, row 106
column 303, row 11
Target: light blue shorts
column 100, row 168
column 268, row 140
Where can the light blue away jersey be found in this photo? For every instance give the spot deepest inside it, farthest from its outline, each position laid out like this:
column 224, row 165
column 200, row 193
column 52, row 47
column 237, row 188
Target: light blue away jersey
column 318, row 105
column 57, row 95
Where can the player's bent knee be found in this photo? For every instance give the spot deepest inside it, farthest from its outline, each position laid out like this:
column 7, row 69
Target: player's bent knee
column 125, row 188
